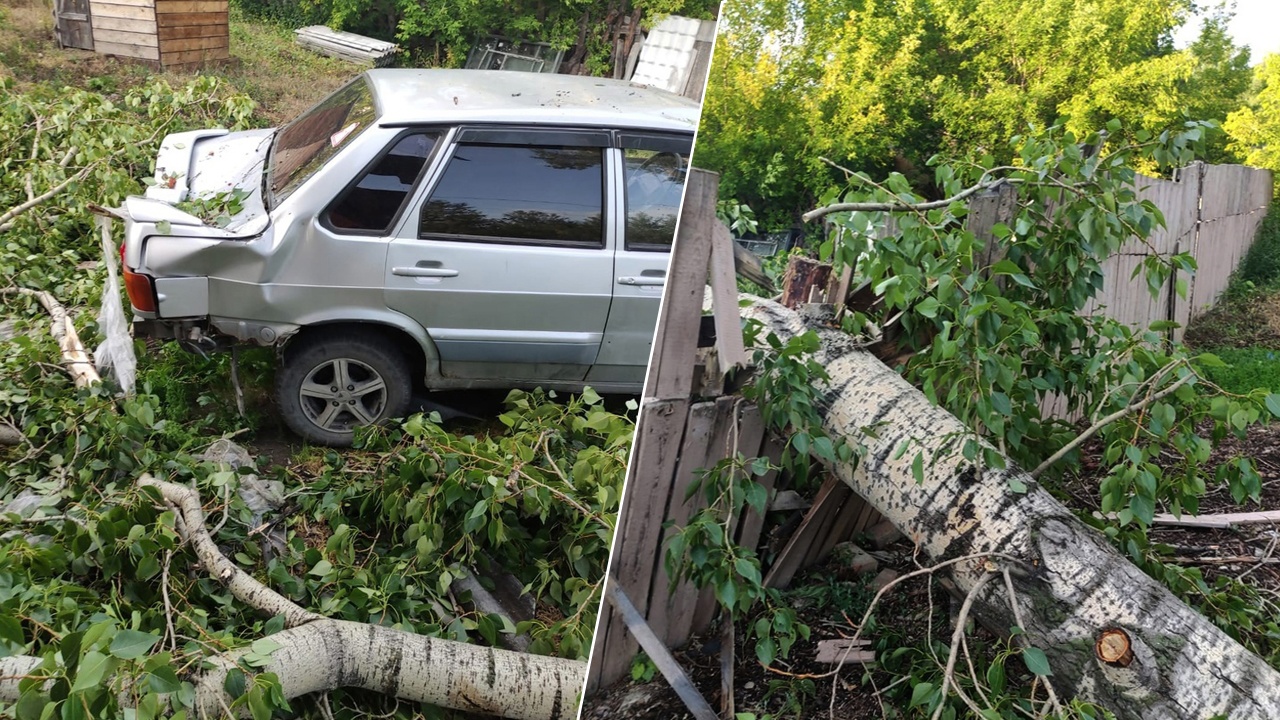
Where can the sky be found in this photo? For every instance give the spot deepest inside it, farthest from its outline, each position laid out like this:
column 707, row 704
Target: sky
column 1256, row 24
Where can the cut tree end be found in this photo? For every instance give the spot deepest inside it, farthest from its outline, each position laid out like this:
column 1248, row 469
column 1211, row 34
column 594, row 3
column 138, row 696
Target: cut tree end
column 1114, row 648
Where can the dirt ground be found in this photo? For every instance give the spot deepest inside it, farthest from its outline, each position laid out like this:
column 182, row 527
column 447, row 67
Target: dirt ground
column 913, row 610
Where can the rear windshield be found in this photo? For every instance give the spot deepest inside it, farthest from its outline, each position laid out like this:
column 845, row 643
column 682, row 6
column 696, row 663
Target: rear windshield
column 307, row 143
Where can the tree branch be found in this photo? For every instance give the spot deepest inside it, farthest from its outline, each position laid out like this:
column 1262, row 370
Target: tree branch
column 241, row 584
column 1132, row 407
column 74, row 356
column 6, row 220
column 905, row 207
column 318, row 654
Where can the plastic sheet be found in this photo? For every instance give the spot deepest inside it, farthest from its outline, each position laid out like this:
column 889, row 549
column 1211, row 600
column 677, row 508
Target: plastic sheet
column 115, row 354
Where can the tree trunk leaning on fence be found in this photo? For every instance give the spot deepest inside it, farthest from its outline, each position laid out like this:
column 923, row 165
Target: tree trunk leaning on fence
column 317, row 654
column 1113, row 636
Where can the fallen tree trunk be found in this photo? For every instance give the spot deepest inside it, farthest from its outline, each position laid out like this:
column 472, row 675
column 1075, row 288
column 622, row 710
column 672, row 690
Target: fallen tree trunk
column 1080, row 600
column 317, row 654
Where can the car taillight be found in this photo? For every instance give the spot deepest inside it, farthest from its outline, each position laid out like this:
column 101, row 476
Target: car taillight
column 139, row 288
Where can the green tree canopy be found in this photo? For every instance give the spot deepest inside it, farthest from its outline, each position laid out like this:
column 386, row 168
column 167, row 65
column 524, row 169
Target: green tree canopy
column 1254, row 130
column 880, row 85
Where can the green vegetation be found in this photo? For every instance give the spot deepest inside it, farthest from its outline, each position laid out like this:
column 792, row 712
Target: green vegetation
column 442, row 33
column 1255, row 128
column 918, row 100
column 94, row 578
column 883, row 86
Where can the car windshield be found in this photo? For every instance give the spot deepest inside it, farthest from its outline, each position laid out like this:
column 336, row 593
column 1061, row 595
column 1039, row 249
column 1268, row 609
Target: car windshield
column 307, row 143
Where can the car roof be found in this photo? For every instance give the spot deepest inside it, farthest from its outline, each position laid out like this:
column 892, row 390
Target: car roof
column 411, row 96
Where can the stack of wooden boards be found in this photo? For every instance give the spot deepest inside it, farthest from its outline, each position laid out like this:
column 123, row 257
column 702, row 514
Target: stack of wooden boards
column 346, row 46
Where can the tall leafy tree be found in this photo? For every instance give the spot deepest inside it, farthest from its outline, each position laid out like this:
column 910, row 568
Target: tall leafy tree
column 1254, row 130
column 881, row 85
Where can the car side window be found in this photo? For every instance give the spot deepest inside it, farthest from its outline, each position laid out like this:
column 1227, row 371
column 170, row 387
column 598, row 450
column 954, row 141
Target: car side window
column 654, row 168
column 372, row 202
column 519, row 193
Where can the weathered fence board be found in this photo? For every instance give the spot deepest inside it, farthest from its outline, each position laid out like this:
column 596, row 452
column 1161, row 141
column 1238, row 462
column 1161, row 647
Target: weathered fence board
column 1210, row 211
column 675, row 438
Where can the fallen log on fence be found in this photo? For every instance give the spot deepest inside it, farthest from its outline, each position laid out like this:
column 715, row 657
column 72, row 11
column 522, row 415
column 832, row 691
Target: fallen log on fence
column 1078, row 598
column 318, row 654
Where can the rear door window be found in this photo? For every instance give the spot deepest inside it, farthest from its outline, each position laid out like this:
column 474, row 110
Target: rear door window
column 654, row 169
column 523, row 187
column 373, row 201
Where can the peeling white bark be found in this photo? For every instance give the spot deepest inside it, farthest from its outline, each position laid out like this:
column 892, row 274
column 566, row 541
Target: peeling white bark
column 74, row 356
column 1073, row 587
column 318, row 654
column 328, row 654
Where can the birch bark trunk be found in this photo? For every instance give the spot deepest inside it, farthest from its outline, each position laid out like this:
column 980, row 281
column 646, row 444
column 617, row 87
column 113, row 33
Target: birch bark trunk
column 318, row 654
column 1078, row 597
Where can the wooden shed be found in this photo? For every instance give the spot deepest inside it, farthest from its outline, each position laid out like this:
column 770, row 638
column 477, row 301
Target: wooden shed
column 174, row 34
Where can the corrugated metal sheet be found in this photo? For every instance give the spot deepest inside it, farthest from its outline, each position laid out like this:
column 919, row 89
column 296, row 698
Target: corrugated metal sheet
column 671, row 55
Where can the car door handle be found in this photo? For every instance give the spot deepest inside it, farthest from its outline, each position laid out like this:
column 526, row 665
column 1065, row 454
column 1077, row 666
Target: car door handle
column 425, row 268
column 643, row 280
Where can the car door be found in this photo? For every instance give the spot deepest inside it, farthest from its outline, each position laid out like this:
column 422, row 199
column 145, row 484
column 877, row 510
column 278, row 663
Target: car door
column 651, row 171
column 507, row 258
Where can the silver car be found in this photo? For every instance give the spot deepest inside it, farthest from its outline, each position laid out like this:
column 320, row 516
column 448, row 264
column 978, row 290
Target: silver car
column 457, row 228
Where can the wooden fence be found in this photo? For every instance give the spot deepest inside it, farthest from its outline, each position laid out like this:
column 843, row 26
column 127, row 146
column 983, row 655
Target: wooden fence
column 1210, row 211
column 677, row 435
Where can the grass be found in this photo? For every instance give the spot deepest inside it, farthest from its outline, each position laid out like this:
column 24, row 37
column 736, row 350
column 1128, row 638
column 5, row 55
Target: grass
column 1247, row 369
column 266, row 63
column 281, row 75
column 1248, row 313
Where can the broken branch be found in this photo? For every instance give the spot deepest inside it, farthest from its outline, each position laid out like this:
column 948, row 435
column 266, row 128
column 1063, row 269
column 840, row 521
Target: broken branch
column 1130, row 408
column 74, row 356
column 6, row 220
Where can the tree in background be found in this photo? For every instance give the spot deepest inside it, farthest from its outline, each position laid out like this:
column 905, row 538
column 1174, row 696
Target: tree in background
column 883, row 85
column 1254, row 129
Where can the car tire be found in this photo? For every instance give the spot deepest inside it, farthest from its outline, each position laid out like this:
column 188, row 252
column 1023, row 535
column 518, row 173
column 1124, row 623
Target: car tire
column 331, row 384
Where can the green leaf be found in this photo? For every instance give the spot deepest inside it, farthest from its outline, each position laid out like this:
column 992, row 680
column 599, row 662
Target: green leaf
column 234, row 683
column 824, row 449
column 163, row 679
column 1001, row 404
column 921, row 694
column 131, row 644
column 766, row 651
column 265, row 646
column 11, row 630
column 996, row 677
column 258, row 705
column 1143, row 508
column 73, row 709
column 93, row 667
column 747, row 569
column 1036, row 662
column 31, row 704
column 1273, row 404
